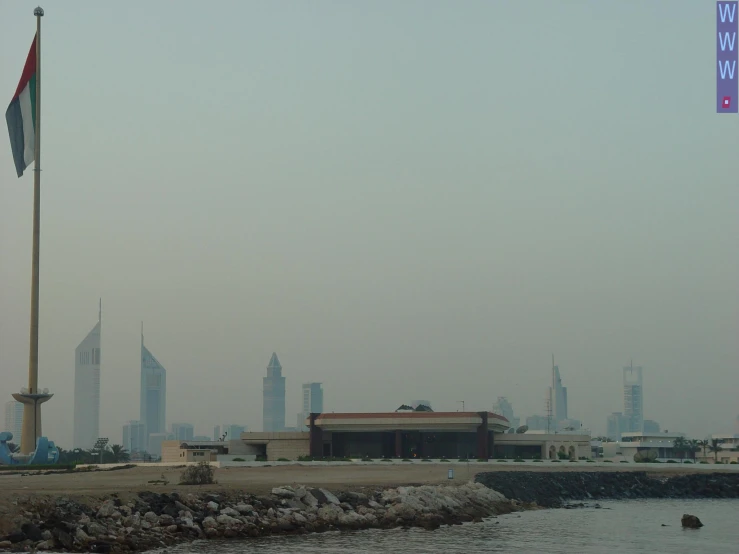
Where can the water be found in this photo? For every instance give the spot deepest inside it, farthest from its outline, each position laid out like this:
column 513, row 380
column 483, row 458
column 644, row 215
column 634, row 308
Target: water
column 619, row 526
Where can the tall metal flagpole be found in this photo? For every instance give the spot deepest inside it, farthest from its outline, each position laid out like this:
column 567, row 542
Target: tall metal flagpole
column 33, row 398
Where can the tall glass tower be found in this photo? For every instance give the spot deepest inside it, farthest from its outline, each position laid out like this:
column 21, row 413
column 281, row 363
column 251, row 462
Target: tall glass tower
column 273, row 407
column 153, row 401
column 87, row 389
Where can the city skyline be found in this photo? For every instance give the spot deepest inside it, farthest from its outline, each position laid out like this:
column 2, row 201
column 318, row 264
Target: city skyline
column 400, row 223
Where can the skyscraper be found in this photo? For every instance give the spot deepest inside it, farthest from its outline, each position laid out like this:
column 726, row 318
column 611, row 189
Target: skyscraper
column 633, row 398
column 183, row 431
column 557, row 396
column 312, row 403
column 14, row 419
column 134, row 437
column 273, row 407
column 505, row 408
column 87, row 389
column 153, row 401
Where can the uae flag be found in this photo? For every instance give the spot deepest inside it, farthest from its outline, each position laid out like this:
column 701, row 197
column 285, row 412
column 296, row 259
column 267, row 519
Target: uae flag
column 21, row 115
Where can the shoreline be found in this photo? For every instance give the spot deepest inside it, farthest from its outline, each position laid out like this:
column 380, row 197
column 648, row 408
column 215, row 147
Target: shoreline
column 121, row 511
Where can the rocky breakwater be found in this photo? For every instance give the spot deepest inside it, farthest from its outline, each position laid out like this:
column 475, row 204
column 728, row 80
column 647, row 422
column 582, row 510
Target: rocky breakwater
column 553, row 489
column 150, row 520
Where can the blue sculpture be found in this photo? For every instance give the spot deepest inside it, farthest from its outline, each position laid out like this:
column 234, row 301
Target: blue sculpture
column 46, row 452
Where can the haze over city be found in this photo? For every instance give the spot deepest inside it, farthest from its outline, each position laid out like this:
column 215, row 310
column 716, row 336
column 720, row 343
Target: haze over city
column 403, row 200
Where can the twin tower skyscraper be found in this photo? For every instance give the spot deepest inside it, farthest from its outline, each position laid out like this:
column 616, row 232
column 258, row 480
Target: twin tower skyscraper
column 153, row 387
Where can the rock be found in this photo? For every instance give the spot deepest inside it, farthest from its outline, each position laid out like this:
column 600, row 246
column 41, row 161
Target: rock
column 101, row 546
column 108, row 509
column 352, row 520
column 96, row 530
column 209, row 523
column 5, row 544
column 45, row 545
column 244, row 509
column 330, row 513
column 230, row 512
column 283, row 492
column 152, row 518
column 172, row 529
column 165, row 520
column 227, row 521
column 309, row 500
column 81, row 536
column 32, row 532
column 299, row 518
column 330, row 498
column 300, row 492
column 691, row 521
column 46, row 535
column 212, row 506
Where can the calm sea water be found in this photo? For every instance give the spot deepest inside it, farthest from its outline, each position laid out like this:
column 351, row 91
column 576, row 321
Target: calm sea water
column 619, row 526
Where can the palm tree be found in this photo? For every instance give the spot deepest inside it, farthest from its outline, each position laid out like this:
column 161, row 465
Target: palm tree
column 12, row 447
column 704, row 445
column 119, row 454
column 693, row 447
column 715, row 447
column 680, row 445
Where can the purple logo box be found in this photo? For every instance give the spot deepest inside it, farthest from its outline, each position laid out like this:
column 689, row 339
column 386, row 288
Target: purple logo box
column 727, row 79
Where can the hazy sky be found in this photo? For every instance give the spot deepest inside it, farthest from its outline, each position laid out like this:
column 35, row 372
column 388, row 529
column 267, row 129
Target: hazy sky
column 403, row 199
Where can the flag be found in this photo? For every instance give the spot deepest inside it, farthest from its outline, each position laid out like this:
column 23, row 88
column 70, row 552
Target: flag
column 21, row 115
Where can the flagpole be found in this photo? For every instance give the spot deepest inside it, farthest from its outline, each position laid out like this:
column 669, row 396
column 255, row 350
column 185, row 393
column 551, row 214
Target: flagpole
column 33, row 397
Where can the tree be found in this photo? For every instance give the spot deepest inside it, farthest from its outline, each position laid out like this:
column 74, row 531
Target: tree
column 119, row 454
column 692, row 448
column 680, row 446
column 715, row 447
column 704, row 445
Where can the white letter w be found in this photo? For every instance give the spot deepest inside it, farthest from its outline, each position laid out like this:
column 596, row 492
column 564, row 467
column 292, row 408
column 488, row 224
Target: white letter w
column 725, row 40
column 723, row 13
column 725, row 69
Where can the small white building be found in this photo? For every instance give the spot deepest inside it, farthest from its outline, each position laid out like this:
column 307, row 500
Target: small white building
column 654, row 445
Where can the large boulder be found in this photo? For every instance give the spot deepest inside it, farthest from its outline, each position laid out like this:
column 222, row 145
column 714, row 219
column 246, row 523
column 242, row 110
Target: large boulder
column 691, row 521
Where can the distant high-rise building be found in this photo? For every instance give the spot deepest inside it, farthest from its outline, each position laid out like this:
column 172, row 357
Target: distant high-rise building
column 155, row 443
column 557, row 396
column 153, row 401
column 183, row 431
column 505, row 408
column 651, row 426
column 14, row 419
column 201, row 438
column 134, row 437
column 312, row 403
column 217, row 433
column 634, row 398
column 736, row 425
column 616, row 424
column 273, row 408
column 233, row 432
column 539, row 423
column 87, row 389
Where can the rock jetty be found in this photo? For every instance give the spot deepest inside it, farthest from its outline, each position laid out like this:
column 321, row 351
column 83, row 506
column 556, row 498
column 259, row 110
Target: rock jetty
column 150, row 520
column 554, row 489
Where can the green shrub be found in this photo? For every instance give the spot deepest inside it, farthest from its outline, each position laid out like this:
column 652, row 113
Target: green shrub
column 427, row 460
column 688, row 462
column 624, row 461
column 671, row 462
column 733, row 462
column 444, row 460
column 406, row 460
column 590, row 461
column 200, row 474
column 502, row 460
column 238, row 460
column 703, row 462
column 367, row 459
column 282, row 460
column 608, row 461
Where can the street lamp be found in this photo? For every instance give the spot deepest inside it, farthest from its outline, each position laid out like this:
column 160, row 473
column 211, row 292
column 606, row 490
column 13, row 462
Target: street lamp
column 101, row 444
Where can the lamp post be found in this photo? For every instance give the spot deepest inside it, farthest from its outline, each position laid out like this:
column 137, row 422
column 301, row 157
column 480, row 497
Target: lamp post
column 101, row 444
